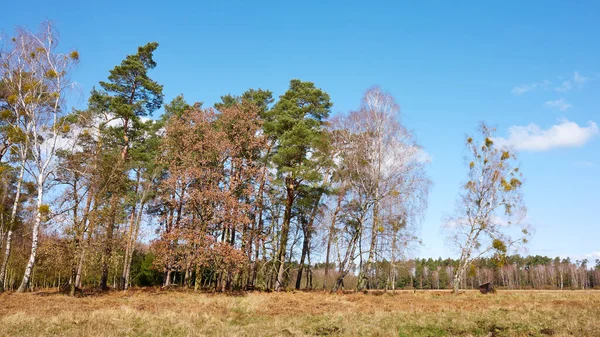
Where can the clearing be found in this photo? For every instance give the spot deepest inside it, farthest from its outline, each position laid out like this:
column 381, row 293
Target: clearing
column 152, row 312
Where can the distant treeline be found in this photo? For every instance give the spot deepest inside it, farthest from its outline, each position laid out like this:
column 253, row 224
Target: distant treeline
column 513, row 272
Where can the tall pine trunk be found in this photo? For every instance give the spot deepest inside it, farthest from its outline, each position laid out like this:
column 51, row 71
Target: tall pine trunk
column 285, row 229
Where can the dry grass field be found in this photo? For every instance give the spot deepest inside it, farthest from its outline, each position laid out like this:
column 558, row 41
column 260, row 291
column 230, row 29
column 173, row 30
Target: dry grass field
column 427, row 313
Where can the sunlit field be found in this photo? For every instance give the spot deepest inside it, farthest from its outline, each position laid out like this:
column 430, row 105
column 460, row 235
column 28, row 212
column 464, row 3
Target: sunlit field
column 403, row 313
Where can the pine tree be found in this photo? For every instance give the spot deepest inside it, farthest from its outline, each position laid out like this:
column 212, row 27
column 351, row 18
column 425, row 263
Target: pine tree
column 297, row 122
column 127, row 96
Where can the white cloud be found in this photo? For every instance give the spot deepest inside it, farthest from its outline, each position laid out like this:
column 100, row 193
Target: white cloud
column 523, row 88
column 577, row 81
column 594, row 255
column 573, row 82
column 565, row 86
column 559, row 104
column 70, row 143
column 534, row 138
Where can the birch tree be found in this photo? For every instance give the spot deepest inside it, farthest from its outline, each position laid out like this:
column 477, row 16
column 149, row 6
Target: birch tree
column 79, row 175
column 16, row 82
column 489, row 206
column 12, row 219
column 384, row 163
column 42, row 77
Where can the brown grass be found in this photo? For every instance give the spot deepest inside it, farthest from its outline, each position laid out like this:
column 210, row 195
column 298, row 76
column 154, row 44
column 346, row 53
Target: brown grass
column 429, row 313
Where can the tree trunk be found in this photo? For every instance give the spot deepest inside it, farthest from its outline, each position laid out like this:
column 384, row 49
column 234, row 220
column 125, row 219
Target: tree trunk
column 197, row 279
column 561, row 280
column 309, row 273
column 2, row 219
column 72, row 286
column 13, row 216
column 80, row 231
column 393, row 264
column 257, row 235
column 285, row 228
column 136, row 232
column 330, row 237
column 307, row 230
column 186, row 276
column 35, row 236
column 82, row 257
column 131, row 237
column 130, row 232
column 303, row 256
column 344, row 267
column 108, row 244
column 365, row 274
column 459, row 276
column 80, row 267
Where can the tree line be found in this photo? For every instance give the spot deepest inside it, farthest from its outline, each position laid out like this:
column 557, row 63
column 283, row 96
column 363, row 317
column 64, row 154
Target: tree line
column 513, row 272
column 252, row 192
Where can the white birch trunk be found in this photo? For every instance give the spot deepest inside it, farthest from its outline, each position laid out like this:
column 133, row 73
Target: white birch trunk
column 13, row 216
column 35, row 236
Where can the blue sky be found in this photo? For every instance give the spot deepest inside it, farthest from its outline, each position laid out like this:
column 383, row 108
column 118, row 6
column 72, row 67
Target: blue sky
column 512, row 64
